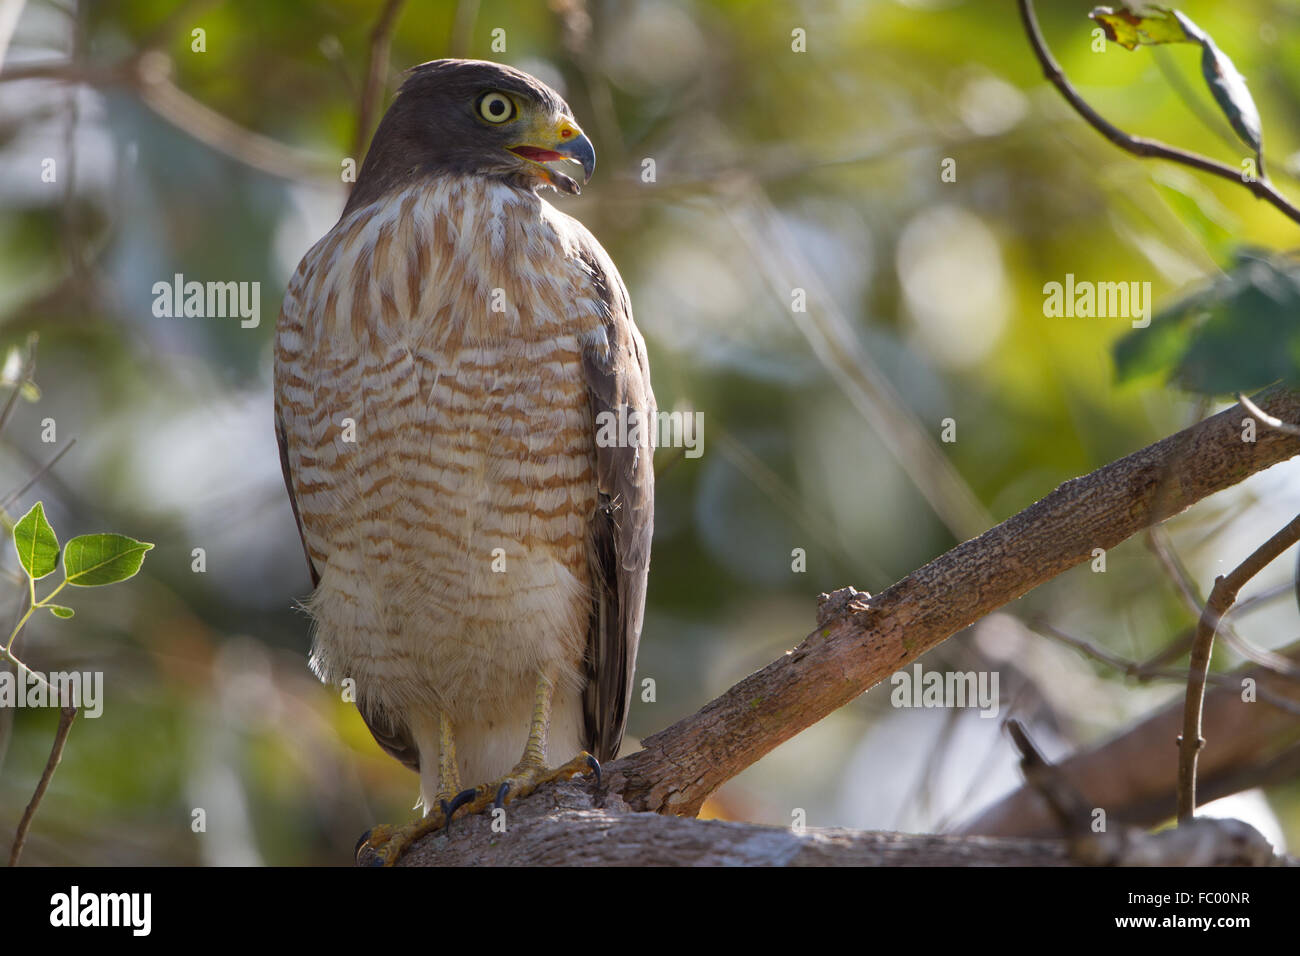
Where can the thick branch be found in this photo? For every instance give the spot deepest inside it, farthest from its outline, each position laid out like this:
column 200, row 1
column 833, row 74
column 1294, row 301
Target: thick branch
column 861, row 643
column 560, row 826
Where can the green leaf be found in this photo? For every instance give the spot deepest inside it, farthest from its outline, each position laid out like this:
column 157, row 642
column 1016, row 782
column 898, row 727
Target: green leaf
column 1227, row 85
column 1236, row 334
column 36, row 543
column 58, row 610
column 1149, row 27
column 91, row 560
column 1157, row 348
column 1159, row 25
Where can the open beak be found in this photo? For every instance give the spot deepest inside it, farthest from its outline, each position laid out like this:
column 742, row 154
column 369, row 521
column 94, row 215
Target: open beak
column 554, row 152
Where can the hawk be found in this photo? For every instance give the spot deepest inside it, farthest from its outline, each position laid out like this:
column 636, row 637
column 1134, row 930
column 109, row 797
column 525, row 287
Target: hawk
column 444, row 360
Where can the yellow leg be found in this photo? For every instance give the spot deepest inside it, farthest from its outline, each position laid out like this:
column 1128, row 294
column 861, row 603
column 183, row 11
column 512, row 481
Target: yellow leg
column 448, row 775
column 384, row 845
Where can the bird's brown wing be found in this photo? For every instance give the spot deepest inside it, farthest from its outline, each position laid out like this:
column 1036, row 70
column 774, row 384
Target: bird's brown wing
column 617, row 375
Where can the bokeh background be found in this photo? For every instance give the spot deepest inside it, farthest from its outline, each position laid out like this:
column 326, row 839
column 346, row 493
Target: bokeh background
column 774, row 170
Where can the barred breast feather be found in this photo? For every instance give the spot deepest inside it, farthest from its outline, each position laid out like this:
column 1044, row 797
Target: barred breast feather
column 439, row 362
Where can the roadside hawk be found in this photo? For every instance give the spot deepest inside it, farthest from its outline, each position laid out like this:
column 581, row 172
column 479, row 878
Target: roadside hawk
column 444, row 359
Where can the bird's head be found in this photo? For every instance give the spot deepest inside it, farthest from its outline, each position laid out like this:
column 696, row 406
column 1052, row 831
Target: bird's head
column 475, row 118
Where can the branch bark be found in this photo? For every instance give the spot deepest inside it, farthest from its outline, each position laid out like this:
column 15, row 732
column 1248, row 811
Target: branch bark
column 861, row 641
column 561, row 826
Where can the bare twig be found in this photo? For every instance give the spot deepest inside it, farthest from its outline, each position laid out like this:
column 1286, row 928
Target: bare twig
column 1144, row 671
column 41, row 472
column 1066, row 804
column 1159, row 541
column 1266, row 418
column 1137, row 145
column 219, row 132
column 1222, row 596
column 146, row 75
column 372, row 90
column 66, row 715
column 831, row 335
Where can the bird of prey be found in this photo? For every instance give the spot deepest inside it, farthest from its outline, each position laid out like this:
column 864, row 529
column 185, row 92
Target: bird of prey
column 444, row 359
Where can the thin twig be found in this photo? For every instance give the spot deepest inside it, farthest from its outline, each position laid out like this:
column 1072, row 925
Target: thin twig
column 66, row 716
column 1222, row 596
column 15, row 495
column 372, row 91
column 1266, row 418
column 1145, row 671
column 1158, row 538
column 1066, row 804
column 1137, row 145
column 146, row 75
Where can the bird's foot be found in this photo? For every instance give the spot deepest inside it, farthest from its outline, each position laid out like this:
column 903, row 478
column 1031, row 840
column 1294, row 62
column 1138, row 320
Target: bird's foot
column 384, row 845
column 527, row 776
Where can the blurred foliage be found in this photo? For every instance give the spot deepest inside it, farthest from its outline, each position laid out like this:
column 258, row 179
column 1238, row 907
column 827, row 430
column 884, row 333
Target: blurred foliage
column 1238, row 334
column 775, row 170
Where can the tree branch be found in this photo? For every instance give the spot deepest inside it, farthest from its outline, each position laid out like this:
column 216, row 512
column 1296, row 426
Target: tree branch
column 1137, row 145
column 1222, row 596
column 861, row 641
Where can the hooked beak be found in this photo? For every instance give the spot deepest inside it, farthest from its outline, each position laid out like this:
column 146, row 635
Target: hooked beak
column 554, row 150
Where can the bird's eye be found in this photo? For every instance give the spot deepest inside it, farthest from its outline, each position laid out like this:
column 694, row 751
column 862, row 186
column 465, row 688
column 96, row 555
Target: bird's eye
column 496, row 107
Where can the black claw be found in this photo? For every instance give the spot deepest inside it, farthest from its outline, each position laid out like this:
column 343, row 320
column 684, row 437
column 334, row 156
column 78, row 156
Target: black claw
column 500, row 800
column 449, row 809
column 594, row 764
column 361, row 845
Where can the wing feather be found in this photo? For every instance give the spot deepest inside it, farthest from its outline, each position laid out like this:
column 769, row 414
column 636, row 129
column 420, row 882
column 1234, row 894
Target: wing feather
column 617, row 375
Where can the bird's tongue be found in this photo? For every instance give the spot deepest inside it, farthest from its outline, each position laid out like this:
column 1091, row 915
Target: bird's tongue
column 561, row 181
column 537, row 155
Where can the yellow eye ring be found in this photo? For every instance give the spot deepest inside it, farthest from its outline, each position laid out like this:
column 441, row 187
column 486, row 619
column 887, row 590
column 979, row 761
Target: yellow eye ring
column 496, row 107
